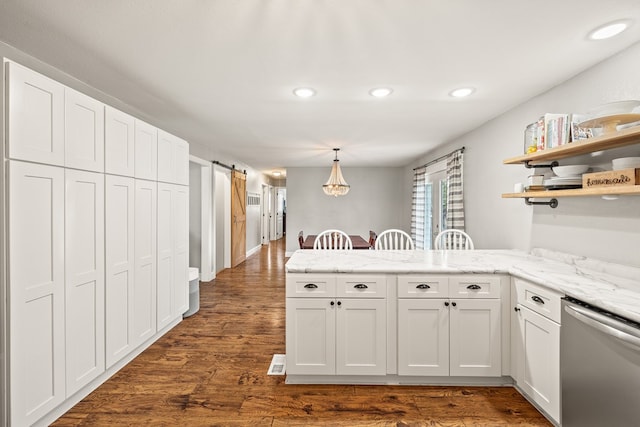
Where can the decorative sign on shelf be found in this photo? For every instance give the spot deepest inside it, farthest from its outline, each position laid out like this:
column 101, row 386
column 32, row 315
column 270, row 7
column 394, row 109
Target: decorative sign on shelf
column 622, row 177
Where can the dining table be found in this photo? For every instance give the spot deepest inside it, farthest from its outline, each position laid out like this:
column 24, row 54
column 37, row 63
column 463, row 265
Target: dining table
column 357, row 241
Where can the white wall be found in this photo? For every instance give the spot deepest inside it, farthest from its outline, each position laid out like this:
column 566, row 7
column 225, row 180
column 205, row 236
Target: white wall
column 375, row 202
column 590, row 226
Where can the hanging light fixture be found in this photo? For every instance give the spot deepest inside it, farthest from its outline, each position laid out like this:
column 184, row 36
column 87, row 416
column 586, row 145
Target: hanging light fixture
column 336, row 186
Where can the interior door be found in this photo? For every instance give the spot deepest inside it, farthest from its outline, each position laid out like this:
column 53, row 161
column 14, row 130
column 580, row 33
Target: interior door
column 238, row 218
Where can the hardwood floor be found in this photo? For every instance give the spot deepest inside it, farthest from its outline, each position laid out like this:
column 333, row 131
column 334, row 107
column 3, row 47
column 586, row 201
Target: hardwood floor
column 211, row 370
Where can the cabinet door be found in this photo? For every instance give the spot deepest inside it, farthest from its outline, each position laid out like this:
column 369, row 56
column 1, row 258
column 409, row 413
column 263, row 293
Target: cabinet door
column 144, row 295
column 311, row 336
column 84, row 277
column 539, row 366
column 35, row 116
column 119, row 266
column 180, row 224
column 476, row 338
column 181, row 158
column 166, row 158
column 83, row 131
column 119, row 143
column 361, row 337
column 36, row 290
column 166, row 272
column 423, row 337
column 146, row 151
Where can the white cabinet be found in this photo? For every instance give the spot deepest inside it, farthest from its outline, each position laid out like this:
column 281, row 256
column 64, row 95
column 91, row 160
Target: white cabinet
column 119, row 267
column 146, row 151
column 83, row 131
column 119, row 148
column 36, row 290
column 144, row 294
column 173, row 252
column 343, row 335
column 173, row 159
column 35, row 126
column 536, row 345
column 449, row 326
column 84, row 277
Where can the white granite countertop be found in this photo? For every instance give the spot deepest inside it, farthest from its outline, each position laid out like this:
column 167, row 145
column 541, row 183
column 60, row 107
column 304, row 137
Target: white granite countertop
column 609, row 286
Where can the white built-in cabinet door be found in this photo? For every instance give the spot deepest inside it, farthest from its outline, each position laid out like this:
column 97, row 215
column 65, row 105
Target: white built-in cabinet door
column 166, row 248
column 173, row 159
column 84, row 277
column 311, row 336
column 35, row 126
column 146, row 151
column 361, row 336
column 36, row 290
column 83, row 131
column 144, row 295
column 119, row 147
column 181, row 249
column 423, row 337
column 119, row 266
column 476, row 344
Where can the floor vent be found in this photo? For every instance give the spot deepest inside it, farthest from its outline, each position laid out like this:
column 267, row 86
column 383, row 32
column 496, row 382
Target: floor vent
column 278, row 365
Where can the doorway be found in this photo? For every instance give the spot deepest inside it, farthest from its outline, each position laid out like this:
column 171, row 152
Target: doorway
column 435, row 203
column 201, row 232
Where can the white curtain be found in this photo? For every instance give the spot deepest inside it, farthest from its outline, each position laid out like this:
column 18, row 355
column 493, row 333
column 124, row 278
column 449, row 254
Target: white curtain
column 418, row 207
column 455, row 202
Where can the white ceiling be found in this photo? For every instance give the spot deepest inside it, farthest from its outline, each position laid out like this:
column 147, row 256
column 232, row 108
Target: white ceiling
column 221, row 72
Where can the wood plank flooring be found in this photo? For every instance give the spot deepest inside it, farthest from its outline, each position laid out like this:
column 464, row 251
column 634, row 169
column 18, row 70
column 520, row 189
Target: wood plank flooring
column 211, row 370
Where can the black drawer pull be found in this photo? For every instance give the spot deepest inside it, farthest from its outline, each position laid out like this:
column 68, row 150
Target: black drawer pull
column 423, row 286
column 537, row 299
column 311, row 286
column 361, row 286
column 474, row 287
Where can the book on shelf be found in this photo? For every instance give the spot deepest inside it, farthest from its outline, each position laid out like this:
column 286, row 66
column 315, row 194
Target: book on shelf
column 556, row 129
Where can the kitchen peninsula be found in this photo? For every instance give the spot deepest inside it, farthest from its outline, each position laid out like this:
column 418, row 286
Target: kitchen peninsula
column 440, row 317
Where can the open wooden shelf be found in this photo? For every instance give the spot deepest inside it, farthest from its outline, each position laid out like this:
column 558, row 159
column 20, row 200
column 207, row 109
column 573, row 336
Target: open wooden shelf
column 617, row 139
column 577, row 192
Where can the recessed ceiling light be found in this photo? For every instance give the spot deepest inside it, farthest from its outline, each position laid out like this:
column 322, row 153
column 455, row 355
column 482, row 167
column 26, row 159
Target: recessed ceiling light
column 609, row 30
column 304, row 92
column 380, row 92
column 462, row 92
column 276, row 173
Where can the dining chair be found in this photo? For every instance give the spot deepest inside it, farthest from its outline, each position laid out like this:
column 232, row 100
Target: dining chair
column 300, row 238
column 453, row 239
column 372, row 239
column 333, row 240
column 394, row 239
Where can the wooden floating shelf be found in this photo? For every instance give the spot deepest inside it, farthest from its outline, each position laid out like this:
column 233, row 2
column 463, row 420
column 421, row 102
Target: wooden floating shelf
column 576, row 192
column 608, row 141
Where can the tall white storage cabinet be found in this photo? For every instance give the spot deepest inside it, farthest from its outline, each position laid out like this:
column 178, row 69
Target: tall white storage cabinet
column 144, row 295
column 84, row 277
column 119, row 266
column 83, row 295
column 36, row 290
column 173, row 156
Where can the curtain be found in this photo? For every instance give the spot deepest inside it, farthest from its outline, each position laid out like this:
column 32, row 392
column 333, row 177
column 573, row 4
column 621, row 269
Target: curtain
column 418, row 207
column 455, row 202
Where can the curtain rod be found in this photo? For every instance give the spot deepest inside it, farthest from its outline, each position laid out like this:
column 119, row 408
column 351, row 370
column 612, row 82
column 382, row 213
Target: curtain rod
column 439, row 158
column 232, row 167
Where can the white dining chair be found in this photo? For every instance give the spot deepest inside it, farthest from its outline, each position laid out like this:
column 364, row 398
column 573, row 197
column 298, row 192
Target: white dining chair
column 453, row 239
column 394, row 239
column 333, row 240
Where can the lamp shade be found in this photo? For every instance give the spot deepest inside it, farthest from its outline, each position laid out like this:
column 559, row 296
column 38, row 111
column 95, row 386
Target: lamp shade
column 336, row 185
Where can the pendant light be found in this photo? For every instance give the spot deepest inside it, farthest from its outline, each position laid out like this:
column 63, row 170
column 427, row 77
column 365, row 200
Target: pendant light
column 336, row 185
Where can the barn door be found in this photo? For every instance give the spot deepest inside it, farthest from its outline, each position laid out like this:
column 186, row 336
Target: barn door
column 238, row 218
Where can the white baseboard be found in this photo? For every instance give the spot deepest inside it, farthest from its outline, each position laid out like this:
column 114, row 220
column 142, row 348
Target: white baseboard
column 253, row 250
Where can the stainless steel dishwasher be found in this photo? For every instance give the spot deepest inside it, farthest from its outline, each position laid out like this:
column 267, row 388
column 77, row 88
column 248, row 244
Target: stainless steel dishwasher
column 599, row 367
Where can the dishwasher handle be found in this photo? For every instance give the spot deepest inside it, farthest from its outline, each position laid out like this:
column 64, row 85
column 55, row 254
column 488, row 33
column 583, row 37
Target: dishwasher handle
column 628, row 334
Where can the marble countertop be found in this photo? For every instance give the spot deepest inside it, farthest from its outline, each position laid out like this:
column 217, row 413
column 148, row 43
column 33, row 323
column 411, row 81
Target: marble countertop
column 613, row 287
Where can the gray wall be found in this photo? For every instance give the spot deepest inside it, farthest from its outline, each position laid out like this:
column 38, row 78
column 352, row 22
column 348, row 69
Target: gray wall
column 590, row 226
column 195, row 216
column 374, row 202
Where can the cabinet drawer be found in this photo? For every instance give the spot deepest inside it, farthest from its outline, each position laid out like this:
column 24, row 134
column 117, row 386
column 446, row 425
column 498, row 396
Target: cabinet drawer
column 374, row 286
column 539, row 299
column 311, row 286
column 472, row 286
column 423, row 286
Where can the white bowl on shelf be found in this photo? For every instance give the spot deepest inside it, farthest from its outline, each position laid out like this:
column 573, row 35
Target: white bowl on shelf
column 612, row 108
column 570, row 170
column 625, row 163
